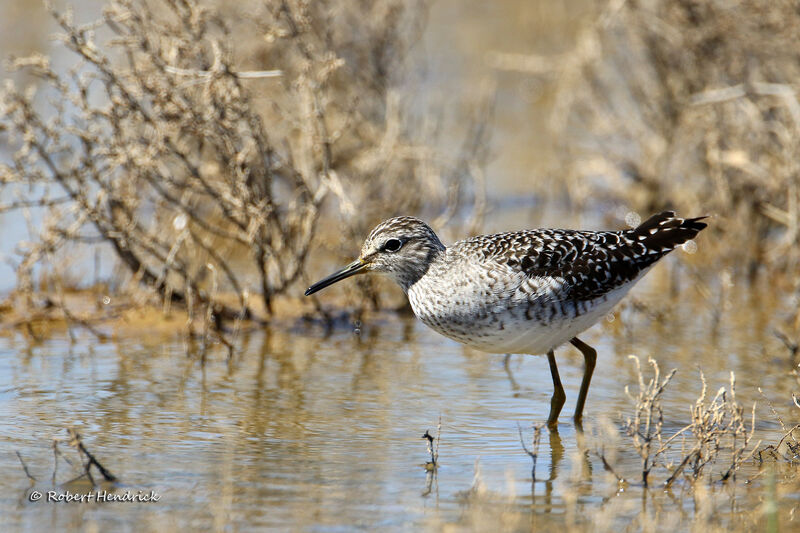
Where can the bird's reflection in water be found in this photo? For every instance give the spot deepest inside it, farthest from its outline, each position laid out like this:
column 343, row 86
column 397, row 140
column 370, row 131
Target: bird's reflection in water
column 544, row 503
column 556, row 458
column 507, row 367
column 556, row 449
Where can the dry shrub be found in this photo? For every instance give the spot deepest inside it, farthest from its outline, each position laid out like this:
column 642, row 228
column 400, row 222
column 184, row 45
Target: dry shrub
column 718, row 434
column 691, row 105
column 646, row 425
column 788, row 447
column 203, row 177
column 717, row 426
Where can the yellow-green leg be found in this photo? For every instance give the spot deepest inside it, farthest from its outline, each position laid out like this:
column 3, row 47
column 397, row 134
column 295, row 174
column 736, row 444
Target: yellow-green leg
column 590, row 358
column 558, row 399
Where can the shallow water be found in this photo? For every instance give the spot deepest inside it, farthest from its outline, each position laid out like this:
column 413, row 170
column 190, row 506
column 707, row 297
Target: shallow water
column 322, row 431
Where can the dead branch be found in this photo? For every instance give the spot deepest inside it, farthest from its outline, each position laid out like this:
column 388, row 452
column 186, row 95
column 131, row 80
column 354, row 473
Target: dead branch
column 76, row 441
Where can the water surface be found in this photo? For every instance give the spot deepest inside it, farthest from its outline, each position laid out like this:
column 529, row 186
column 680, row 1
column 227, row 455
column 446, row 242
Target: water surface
column 320, row 429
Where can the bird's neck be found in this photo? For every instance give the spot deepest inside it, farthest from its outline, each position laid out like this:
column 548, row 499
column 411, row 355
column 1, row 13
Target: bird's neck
column 410, row 276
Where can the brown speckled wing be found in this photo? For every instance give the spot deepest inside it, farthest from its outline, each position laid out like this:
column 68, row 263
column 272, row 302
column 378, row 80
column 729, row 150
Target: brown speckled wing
column 589, row 263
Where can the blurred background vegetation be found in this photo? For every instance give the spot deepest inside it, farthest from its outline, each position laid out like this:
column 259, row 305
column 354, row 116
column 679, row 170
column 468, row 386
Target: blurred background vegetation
column 220, row 155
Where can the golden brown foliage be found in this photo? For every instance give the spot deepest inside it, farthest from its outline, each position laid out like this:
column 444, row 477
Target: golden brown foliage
column 202, row 176
column 690, row 105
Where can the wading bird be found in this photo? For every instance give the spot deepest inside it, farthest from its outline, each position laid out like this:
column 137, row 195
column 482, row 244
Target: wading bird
column 524, row 292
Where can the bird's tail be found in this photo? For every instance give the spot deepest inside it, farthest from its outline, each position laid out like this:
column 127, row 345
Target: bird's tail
column 666, row 231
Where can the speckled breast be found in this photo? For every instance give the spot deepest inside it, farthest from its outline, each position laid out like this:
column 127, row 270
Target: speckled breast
column 514, row 315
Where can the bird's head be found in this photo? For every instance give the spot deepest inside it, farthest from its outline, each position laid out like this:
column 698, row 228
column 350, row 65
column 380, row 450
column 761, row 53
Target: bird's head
column 401, row 248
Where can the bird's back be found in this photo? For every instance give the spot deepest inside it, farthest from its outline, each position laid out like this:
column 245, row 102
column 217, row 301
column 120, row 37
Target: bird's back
column 530, row 291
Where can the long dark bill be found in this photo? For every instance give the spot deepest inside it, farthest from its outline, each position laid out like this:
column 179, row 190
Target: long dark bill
column 352, row 269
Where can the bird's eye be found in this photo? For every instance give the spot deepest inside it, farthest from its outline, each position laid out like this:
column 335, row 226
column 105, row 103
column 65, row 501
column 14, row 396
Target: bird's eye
column 392, row 245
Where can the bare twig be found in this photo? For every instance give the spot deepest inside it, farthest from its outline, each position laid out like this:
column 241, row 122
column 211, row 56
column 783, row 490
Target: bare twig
column 533, row 452
column 25, row 468
column 75, row 441
column 243, row 75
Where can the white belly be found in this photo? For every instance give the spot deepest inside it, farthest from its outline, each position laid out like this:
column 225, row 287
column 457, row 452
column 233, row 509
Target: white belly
column 533, row 337
column 499, row 329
